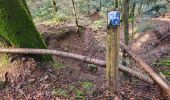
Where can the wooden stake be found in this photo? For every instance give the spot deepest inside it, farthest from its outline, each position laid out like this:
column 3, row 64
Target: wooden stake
column 112, row 58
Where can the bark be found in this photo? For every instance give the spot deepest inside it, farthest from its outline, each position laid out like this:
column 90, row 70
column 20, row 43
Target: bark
column 76, row 17
column 112, row 58
column 25, row 7
column 120, row 5
column 100, row 5
column 126, row 29
column 133, row 17
column 116, row 4
column 78, row 57
column 17, row 27
column 54, row 5
column 126, row 21
column 88, row 8
column 148, row 69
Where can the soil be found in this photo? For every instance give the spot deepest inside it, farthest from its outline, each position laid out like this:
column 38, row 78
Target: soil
column 29, row 79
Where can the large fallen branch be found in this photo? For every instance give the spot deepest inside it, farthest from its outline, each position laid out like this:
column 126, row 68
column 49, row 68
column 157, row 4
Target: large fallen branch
column 78, row 57
column 148, row 69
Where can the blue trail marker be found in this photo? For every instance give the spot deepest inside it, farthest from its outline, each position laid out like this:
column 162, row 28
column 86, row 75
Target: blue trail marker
column 113, row 18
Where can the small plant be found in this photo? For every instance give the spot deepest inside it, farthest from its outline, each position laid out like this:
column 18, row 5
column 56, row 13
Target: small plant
column 80, row 94
column 165, row 62
column 87, row 85
column 60, row 92
column 166, row 73
column 57, row 65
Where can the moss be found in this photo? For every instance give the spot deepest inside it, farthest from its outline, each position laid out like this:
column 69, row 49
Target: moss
column 57, row 65
column 87, row 85
column 80, row 95
column 18, row 29
column 4, row 62
column 166, row 73
column 60, row 92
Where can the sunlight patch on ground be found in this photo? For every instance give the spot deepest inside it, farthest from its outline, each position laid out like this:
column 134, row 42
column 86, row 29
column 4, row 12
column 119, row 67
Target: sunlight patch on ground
column 162, row 19
column 4, row 63
column 137, row 45
column 144, row 38
column 136, row 35
column 134, row 30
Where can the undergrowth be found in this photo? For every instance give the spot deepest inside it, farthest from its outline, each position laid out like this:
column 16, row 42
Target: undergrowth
column 4, row 62
column 146, row 25
column 43, row 12
column 165, row 62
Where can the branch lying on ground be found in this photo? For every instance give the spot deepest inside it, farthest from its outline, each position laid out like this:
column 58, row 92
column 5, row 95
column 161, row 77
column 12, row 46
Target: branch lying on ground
column 78, row 57
column 148, row 69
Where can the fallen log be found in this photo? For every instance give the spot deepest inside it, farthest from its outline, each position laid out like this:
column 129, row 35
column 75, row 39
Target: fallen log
column 78, row 57
column 148, row 69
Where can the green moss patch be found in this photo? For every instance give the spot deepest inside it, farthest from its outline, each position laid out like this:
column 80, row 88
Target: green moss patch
column 60, row 92
column 166, row 73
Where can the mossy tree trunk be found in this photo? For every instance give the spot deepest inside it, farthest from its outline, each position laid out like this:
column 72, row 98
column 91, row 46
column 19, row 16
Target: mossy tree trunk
column 17, row 27
column 126, row 30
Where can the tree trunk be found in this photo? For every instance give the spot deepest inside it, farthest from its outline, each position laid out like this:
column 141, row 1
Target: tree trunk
column 17, row 27
column 126, row 30
column 100, row 5
column 76, row 17
column 133, row 17
column 88, row 8
column 116, row 4
column 126, row 21
column 54, row 5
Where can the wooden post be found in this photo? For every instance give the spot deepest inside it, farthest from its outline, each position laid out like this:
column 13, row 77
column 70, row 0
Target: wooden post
column 112, row 52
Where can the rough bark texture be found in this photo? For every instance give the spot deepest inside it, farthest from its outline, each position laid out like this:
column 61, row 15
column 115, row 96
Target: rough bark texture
column 126, row 21
column 17, row 27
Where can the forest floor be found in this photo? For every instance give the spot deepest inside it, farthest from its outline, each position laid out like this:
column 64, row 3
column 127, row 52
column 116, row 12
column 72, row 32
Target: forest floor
column 71, row 79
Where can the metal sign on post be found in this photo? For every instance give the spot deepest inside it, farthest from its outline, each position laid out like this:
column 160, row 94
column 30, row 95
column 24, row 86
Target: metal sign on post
column 114, row 18
column 112, row 52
